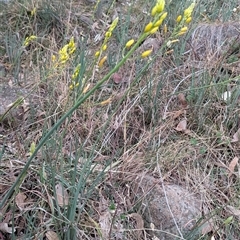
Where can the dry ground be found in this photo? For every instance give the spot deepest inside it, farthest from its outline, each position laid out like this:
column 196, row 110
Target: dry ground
column 171, row 119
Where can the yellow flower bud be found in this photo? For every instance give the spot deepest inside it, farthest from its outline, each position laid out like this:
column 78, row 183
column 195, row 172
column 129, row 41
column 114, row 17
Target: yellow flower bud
column 165, row 28
column 114, row 24
column 53, row 58
column 108, row 34
column 163, row 16
column 104, row 47
column 184, row 29
column 109, row 100
column 129, row 43
column 148, row 27
column 158, row 23
column 154, row 11
column 188, row 20
column 28, row 40
column 154, row 30
column 102, row 61
column 179, row 18
column 97, row 54
column 146, row 53
column 181, row 33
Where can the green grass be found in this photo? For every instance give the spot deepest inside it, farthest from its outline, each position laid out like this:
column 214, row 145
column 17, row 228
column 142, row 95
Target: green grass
column 95, row 151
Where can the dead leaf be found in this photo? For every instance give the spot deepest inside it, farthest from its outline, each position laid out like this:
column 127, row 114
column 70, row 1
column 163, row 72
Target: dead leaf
column 4, row 228
column 182, row 100
column 139, row 223
column 234, row 211
column 20, row 200
column 62, row 195
column 51, row 235
column 232, row 165
column 236, row 136
column 176, row 114
column 182, row 126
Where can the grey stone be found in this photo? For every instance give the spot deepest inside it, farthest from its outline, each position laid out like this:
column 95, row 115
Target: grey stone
column 171, row 209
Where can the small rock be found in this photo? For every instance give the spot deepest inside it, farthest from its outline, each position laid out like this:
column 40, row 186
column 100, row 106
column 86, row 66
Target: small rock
column 173, row 217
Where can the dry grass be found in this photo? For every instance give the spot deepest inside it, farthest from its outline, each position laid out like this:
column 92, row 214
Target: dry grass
column 103, row 152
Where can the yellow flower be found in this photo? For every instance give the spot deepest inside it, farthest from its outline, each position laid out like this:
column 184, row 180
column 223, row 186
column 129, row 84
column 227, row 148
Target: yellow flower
column 102, row 61
column 179, row 18
column 76, row 72
column 108, row 34
column 160, row 21
column 148, row 27
column 63, row 58
column 63, row 50
column 33, row 12
column 146, row 53
column 73, row 85
column 188, row 11
column 63, row 54
column 29, row 39
column 71, row 46
column 160, row 5
column 129, row 43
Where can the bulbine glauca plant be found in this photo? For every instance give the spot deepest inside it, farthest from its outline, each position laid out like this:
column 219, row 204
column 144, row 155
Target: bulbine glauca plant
column 157, row 16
